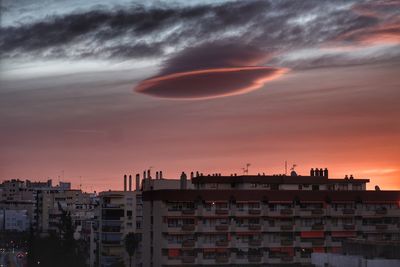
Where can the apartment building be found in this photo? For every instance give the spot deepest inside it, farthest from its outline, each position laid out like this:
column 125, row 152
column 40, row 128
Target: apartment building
column 44, row 202
column 16, row 197
column 255, row 220
column 51, row 203
column 120, row 213
column 14, row 220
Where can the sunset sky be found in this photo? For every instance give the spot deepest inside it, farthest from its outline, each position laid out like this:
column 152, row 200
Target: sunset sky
column 99, row 89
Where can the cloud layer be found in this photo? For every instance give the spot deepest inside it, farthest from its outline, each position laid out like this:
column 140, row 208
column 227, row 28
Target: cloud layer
column 182, row 38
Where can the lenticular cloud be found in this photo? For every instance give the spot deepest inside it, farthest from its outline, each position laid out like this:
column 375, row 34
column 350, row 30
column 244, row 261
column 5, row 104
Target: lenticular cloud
column 209, row 83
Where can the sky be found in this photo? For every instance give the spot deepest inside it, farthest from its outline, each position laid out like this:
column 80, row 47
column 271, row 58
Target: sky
column 93, row 90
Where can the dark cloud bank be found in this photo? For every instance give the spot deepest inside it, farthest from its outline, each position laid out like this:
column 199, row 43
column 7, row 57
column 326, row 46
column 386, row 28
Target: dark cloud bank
column 233, row 36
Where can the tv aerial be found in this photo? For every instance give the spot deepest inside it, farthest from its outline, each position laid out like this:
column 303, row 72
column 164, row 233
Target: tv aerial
column 246, row 169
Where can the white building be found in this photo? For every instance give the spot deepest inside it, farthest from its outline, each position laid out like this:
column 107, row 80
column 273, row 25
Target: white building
column 14, row 220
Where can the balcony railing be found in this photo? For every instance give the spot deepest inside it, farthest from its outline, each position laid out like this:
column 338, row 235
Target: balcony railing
column 221, row 211
column 381, row 212
column 317, row 227
column 286, row 212
column 381, row 227
column 287, row 259
column 348, row 211
column 188, row 212
column 318, row 242
column 317, row 211
column 287, row 242
column 286, row 227
column 349, row 226
column 222, row 243
column 188, row 259
column 222, row 259
column 222, row 227
column 255, row 243
column 188, row 227
column 254, row 211
column 255, row 227
column 188, row 243
column 254, row 258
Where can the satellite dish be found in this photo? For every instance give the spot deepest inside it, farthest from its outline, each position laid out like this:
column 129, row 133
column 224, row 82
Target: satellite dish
column 377, row 188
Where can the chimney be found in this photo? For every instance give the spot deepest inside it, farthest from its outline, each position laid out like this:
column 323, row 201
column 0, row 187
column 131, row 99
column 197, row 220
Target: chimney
column 144, row 174
column 130, row 182
column 312, row 172
column 156, row 175
column 148, row 174
column 125, row 182
column 161, row 175
column 191, row 175
column 183, row 181
column 326, row 172
column 321, row 172
column 137, row 182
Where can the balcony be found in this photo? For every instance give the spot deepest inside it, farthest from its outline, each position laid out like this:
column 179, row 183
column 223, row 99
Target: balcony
column 222, row 243
column 254, row 212
column 286, row 212
column 348, row 211
column 188, row 227
column 286, row 227
column 317, row 227
column 188, row 243
column 222, row 227
column 254, row 258
column 188, row 212
column 188, row 259
column 287, row 243
column 381, row 212
column 222, row 259
column 317, row 212
column 381, row 227
column 255, row 227
column 318, row 243
column 221, row 212
column 349, row 226
column 286, row 259
column 255, row 243
column 268, row 228
column 112, row 206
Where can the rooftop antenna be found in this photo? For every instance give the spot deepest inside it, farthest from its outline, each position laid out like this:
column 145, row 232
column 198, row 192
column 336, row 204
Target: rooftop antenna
column 285, row 167
column 246, row 169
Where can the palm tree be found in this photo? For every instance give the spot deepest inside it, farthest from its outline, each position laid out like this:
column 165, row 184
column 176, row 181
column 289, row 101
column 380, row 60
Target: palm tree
column 131, row 244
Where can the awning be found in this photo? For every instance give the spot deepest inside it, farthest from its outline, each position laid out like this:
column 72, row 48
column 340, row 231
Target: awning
column 319, row 249
column 173, row 253
column 312, row 234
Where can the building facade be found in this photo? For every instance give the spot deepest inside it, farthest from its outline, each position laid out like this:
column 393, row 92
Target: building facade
column 120, row 213
column 262, row 220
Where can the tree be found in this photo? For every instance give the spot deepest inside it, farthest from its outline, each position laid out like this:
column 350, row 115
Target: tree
column 31, row 247
column 131, row 244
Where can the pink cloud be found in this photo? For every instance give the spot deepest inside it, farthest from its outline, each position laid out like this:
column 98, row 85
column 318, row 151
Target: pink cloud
column 209, row 83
